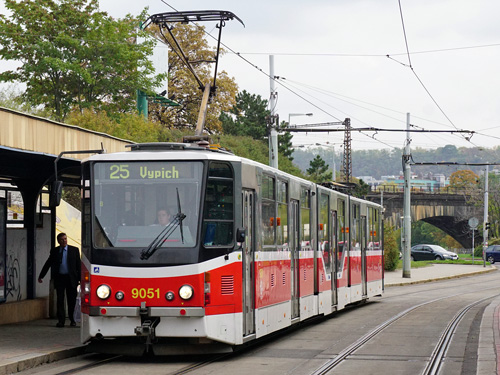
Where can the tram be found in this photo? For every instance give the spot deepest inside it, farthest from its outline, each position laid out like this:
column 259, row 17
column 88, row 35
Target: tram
column 248, row 250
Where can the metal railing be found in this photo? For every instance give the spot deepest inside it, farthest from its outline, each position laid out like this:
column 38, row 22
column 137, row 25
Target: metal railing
column 421, row 189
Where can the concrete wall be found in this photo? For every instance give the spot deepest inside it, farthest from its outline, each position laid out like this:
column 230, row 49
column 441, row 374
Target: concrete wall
column 17, row 308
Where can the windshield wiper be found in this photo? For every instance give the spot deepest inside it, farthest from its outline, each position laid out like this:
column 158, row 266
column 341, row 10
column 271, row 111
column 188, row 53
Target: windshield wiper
column 165, row 233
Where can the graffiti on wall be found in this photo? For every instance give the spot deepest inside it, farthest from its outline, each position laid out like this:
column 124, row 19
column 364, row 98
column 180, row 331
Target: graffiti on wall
column 13, row 279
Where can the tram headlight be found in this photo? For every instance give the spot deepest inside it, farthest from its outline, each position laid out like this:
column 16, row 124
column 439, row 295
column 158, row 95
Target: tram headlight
column 119, row 295
column 169, row 296
column 103, row 291
column 186, row 292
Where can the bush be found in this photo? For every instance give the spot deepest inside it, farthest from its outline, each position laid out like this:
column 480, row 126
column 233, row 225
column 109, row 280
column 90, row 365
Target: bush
column 391, row 250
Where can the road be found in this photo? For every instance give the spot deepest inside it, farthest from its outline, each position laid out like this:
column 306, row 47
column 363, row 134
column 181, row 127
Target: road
column 396, row 334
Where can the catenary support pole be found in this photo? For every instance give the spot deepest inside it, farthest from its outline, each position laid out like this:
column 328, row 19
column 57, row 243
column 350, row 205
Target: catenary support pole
column 273, row 136
column 406, row 206
column 485, row 219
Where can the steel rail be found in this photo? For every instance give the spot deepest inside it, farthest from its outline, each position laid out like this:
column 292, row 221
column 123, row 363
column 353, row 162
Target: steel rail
column 434, row 364
column 334, row 362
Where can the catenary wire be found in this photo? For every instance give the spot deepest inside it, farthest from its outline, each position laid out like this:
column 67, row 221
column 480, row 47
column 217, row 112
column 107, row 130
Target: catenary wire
column 300, row 96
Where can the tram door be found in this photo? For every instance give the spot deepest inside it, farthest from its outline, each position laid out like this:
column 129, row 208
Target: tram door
column 294, row 255
column 334, row 254
column 248, row 264
column 363, row 255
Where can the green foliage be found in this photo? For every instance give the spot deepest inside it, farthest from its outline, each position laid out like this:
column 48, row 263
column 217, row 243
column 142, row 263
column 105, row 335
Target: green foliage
column 285, row 142
column 132, row 127
column 318, row 170
column 361, row 189
column 391, row 249
column 425, row 233
column 256, row 150
column 478, row 251
column 247, row 117
column 75, row 56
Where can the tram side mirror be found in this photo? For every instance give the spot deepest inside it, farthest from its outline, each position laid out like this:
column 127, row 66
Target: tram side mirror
column 55, row 194
column 240, row 235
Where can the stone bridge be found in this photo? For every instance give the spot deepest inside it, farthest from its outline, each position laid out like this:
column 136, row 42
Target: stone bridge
column 447, row 209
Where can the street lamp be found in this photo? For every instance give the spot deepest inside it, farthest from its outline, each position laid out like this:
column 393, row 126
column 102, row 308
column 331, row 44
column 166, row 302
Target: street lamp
column 297, row 114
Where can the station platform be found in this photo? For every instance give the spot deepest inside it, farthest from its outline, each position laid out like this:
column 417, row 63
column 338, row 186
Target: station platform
column 30, row 344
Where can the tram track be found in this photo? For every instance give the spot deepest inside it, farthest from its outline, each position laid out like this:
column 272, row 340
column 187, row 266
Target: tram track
column 439, row 351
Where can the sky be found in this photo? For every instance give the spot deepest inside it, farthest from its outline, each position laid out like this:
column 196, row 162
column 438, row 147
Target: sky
column 341, row 59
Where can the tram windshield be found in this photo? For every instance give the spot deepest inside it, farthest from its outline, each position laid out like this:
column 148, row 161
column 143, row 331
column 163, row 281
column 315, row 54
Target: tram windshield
column 134, row 202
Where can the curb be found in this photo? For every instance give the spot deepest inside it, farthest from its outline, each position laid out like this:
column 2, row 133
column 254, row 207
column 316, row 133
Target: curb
column 492, row 268
column 34, row 360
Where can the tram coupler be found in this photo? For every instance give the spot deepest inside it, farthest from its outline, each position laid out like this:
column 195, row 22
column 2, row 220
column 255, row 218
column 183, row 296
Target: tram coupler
column 148, row 324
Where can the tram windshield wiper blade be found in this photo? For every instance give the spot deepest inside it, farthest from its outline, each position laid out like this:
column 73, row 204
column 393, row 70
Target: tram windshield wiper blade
column 163, row 236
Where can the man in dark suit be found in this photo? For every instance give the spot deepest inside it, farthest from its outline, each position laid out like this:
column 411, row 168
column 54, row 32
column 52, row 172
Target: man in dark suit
column 64, row 264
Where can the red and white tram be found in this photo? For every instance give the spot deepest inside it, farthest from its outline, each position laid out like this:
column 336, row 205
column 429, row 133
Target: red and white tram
column 249, row 250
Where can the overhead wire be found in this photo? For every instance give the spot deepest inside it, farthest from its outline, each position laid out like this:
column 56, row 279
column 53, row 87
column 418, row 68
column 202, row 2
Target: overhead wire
column 413, row 70
column 388, row 56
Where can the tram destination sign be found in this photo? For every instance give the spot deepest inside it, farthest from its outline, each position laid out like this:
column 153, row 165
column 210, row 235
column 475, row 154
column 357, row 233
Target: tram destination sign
column 150, row 171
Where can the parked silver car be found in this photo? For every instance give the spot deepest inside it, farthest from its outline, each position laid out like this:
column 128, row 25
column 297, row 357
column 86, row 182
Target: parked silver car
column 431, row 252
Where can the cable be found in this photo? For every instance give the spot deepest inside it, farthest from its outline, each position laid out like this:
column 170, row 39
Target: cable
column 404, row 32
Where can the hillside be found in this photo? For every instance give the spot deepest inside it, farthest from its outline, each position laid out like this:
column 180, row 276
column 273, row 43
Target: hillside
column 377, row 163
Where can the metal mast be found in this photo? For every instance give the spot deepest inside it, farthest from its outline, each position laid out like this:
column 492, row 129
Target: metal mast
column 347, row 160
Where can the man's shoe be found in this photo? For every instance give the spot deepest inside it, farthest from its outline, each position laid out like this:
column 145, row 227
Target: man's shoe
column 60, row 325
column 72, row 324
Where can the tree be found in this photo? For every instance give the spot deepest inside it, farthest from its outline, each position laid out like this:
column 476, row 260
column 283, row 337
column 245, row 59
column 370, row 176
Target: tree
column 73, row 55
column 361, row 189
column 391, row 253
column 464, row 179
column 318, row 170
column 184, row 88
column 285, row 142
column 247, row 117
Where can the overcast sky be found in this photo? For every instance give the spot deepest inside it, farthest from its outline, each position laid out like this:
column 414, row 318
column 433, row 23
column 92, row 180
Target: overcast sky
column 333, row 56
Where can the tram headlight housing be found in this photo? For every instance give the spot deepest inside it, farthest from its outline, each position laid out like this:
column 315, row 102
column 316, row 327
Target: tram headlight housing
column 119, row 295
column 186, row 292
column 169, row 296
column 103, row 291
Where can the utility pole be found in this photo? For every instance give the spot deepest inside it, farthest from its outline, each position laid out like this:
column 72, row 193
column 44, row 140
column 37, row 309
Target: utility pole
column 273, row 134
column 485, row 218
column 406, row 205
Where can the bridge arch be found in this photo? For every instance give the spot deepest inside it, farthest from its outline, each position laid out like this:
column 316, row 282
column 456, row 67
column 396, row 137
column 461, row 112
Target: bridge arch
column 449, row 211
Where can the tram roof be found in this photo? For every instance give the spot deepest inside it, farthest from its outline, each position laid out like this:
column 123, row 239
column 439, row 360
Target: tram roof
column 166, row 151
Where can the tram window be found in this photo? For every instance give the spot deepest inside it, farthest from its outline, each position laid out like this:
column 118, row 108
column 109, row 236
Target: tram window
column 323, row 230
column 341, row 233
column 356, row 227
column 374, row 234
column 305, row 217
column 218, row 215
column 268, row 206
column 282, row 223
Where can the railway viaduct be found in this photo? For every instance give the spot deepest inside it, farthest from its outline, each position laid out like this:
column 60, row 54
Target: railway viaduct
column 447, row 209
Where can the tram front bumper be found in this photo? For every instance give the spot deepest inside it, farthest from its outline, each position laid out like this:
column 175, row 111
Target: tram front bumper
column 179, row 312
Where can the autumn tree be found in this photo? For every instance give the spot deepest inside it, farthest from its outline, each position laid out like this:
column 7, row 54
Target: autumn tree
column 464, row 179
column 74, row 55
column 185, row 89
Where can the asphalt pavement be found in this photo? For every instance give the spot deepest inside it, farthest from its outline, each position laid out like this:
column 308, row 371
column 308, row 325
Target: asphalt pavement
column 30, row 344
